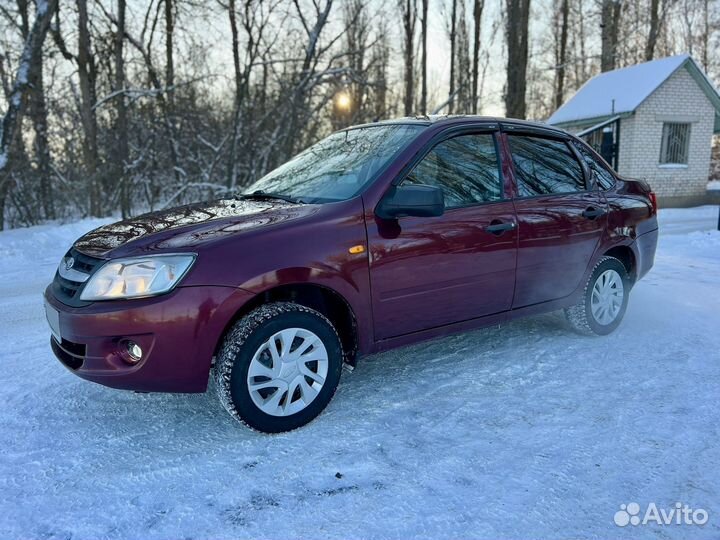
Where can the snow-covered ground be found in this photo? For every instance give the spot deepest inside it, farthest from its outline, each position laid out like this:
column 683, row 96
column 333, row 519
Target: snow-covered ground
column 522, row 431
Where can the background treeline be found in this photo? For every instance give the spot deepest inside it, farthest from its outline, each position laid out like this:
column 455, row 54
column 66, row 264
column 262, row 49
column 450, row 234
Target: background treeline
column 127, row 105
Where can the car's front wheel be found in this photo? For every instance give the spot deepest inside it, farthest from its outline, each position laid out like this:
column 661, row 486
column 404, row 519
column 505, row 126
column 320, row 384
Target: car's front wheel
column 604, row 300
column 278, row 367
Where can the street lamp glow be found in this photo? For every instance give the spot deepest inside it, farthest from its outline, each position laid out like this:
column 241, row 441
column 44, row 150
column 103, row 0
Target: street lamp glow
column 343, row 101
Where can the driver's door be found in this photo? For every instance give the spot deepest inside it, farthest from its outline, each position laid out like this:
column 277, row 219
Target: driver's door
column 432, row 271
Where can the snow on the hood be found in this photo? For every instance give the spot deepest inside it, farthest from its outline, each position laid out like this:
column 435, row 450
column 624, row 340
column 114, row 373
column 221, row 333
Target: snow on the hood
column 525, row 430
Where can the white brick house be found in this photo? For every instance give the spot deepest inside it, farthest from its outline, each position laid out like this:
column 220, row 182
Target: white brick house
column 653, row 121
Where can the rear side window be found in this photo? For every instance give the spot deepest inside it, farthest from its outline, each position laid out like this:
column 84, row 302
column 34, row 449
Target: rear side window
column 464, row 167
column 601, row 175
column 545, row 166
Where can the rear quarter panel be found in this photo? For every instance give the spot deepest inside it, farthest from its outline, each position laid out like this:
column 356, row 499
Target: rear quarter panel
column 632, row 222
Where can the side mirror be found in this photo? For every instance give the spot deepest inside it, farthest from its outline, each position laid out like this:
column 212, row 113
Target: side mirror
column 412, row 200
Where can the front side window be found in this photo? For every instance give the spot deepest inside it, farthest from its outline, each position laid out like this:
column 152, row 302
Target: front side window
column 338, row 167
column 675, row 143
column 545, row 166
column 464, row 167
column 601, row 175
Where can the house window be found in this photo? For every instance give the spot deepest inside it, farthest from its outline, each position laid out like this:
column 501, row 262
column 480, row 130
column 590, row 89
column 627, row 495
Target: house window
column 675, row 142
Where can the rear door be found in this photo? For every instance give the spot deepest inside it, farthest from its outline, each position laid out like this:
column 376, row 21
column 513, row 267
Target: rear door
column 561, row 218
column 432, row 271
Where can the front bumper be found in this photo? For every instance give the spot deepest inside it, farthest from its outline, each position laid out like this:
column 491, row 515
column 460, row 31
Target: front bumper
column 178, row 333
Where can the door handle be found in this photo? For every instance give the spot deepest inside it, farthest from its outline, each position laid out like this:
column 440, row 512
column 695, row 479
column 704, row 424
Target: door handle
column 593, row 213
column 497, row 227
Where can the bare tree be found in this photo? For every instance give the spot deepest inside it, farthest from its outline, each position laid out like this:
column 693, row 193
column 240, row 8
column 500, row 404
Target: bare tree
column 453, row 57
column 423, row 37
column 169, row 53
column 380, row 66
column 705, row 37
column 158, row 90
column 609, row 24
column 31, row 56
column 561, row 53
column 305, row 80
column 408, row 13
column 121, row 122
column 239, row 91
column 357, row 46
column 37, row 113
column 463, row 71
column 478, row 6
column 578, row 44
column 87, row 74
column 516, row 34
column 654, row 30
column 133, row 113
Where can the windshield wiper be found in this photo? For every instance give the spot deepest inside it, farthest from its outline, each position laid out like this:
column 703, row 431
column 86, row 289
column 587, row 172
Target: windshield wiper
column 263, row 195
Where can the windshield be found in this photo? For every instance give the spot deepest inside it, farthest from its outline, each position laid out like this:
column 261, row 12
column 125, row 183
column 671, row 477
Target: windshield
column 338, row 167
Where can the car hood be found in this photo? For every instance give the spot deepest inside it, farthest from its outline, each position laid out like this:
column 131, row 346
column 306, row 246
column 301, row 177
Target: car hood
column 187, row 226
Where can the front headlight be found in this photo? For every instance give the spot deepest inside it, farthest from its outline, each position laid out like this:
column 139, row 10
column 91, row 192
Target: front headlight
column 137, row 277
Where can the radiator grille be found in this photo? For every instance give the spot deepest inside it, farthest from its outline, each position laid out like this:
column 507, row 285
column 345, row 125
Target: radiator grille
column 68, row 290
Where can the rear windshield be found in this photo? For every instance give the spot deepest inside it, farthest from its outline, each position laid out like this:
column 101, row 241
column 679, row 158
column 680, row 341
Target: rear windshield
column 338, row 167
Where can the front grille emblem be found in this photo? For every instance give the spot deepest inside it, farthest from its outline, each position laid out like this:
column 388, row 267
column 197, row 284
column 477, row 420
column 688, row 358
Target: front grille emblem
column 69, row 262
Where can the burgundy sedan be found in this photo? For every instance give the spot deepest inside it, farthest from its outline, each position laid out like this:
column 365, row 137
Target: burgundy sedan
column 378, row 236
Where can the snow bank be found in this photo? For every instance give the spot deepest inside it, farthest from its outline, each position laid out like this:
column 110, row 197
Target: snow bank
column 44, row 240
column 31, row 254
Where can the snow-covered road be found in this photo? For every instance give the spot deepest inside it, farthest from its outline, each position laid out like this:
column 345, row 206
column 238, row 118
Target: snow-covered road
column 526, row 430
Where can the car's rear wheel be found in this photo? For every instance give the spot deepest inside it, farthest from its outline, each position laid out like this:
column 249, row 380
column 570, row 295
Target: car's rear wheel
column 604, row 300
column 278, row 367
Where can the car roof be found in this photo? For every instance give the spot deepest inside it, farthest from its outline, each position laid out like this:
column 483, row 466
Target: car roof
column 454, row 119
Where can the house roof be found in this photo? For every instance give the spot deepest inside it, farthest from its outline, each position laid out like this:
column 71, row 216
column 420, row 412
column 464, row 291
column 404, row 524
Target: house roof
column 621, row 91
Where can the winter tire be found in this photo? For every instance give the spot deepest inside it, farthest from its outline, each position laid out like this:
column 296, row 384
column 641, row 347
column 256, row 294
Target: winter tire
column 604, row 299
column 278, row 367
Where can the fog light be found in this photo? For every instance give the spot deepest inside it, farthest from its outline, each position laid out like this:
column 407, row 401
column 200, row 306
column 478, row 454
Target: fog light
column 134, row 351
